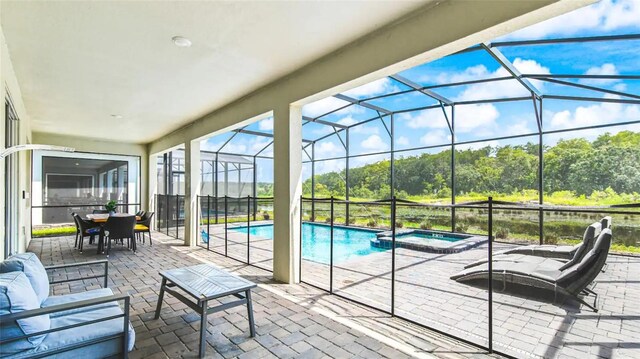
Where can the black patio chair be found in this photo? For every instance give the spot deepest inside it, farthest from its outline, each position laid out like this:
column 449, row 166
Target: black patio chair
column 85, row 229
column 73, row 215
column 144, row 226
column 538, row 253
column 550, row 275
column 120, row 228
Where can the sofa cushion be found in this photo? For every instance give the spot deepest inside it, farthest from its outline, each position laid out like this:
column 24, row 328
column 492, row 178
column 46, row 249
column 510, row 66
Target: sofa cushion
column 82, row 334
column 16, row 295
column 34, row 270
column 75, row 297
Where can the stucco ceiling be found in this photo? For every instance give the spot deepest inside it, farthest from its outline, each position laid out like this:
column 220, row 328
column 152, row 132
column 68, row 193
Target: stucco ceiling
column 79, row 63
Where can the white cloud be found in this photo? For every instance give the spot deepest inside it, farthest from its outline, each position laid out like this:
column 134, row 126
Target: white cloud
column 437, row 137
column 518, row 128
column 378, row 87
column 478, row 116
column 605, row 69
column 402, row 141
column 595, row 114
column 620, row 87
column 505, row 88
column 374, row 142
column 432, row 118
column 348, row 121
column 258, row 145
column 470, row 73
column 266, row 124
column 231, row 147
column 328, row 149
column 235, row 148
column 328, row 104
column 605, row 15
column 325, row 105
column 329, row 166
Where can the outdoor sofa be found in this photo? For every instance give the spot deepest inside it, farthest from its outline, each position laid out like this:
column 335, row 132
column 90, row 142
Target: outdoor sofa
column 33, row 324
column 571, row 282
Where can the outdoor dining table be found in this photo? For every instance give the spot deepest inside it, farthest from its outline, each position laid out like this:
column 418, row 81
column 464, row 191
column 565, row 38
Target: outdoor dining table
column 101, row 220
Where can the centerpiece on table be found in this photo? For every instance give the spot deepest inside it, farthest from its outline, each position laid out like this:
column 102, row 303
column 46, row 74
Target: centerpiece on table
column 111, row 206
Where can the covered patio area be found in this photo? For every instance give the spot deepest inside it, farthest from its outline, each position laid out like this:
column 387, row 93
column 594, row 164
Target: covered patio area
column 292, row 321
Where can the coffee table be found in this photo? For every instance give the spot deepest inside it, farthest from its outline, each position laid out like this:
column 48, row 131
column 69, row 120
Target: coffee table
column 206, row 282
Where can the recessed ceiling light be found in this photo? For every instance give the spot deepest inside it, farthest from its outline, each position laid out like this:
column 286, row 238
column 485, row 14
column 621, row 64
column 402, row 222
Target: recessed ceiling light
column 116, row 116
column 77, row 164
column 181, row 41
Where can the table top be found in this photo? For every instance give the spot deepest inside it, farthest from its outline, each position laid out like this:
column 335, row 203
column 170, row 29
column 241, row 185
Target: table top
column 103, row 219
column 206, row 281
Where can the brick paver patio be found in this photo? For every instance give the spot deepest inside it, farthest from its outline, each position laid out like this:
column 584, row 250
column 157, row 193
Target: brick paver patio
column 291, row 320
column 524, row 326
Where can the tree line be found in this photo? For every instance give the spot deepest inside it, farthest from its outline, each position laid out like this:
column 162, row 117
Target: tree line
column 582, row 167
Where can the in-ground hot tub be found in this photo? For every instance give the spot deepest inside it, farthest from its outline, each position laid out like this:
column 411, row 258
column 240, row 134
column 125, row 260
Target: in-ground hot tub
column 429, row 240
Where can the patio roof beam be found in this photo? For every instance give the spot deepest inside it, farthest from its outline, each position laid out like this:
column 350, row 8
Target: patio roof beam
column 329, row 135
column 507, row 65
column 385, row 126
column 470, row 82
column 592, row 99
column 254, row 133
column 446, row 118
column 307, row 153
column 508, row 99
column 340, row 138
column 240, row 155
column 587, row 87
column 263, row 148
column 361, row 103
column 566, row 40
column 333, row 111
column 424, row 91
column 389, row 94
column 575, row 76
column 228, row 140
column 537, row 113
column 322, row 122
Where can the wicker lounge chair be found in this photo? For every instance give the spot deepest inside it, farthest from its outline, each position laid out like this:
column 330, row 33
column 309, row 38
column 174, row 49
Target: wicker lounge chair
column 571, row 282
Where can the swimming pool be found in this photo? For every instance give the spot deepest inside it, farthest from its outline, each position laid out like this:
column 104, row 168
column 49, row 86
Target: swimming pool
column 348, row 243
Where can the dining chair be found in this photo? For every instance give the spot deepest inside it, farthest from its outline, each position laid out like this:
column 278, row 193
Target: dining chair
column 120, row 227
column 85, row 229
column 144, row 226
column 73, row 215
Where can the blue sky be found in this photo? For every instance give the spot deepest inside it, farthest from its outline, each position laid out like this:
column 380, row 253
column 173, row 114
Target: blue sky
column 482, row 121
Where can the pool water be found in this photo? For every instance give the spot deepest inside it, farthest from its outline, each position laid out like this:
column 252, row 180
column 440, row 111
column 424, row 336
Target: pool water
column 348, row 243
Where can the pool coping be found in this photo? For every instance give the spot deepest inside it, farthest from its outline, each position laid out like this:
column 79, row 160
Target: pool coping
column 384, row 240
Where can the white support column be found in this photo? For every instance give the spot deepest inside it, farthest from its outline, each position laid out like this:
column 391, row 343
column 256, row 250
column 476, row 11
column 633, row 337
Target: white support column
column 287, row 171
column 191, row 191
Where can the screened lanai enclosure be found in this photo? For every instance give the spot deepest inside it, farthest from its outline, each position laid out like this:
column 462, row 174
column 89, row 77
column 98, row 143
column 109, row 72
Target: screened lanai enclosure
column 426, row 192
